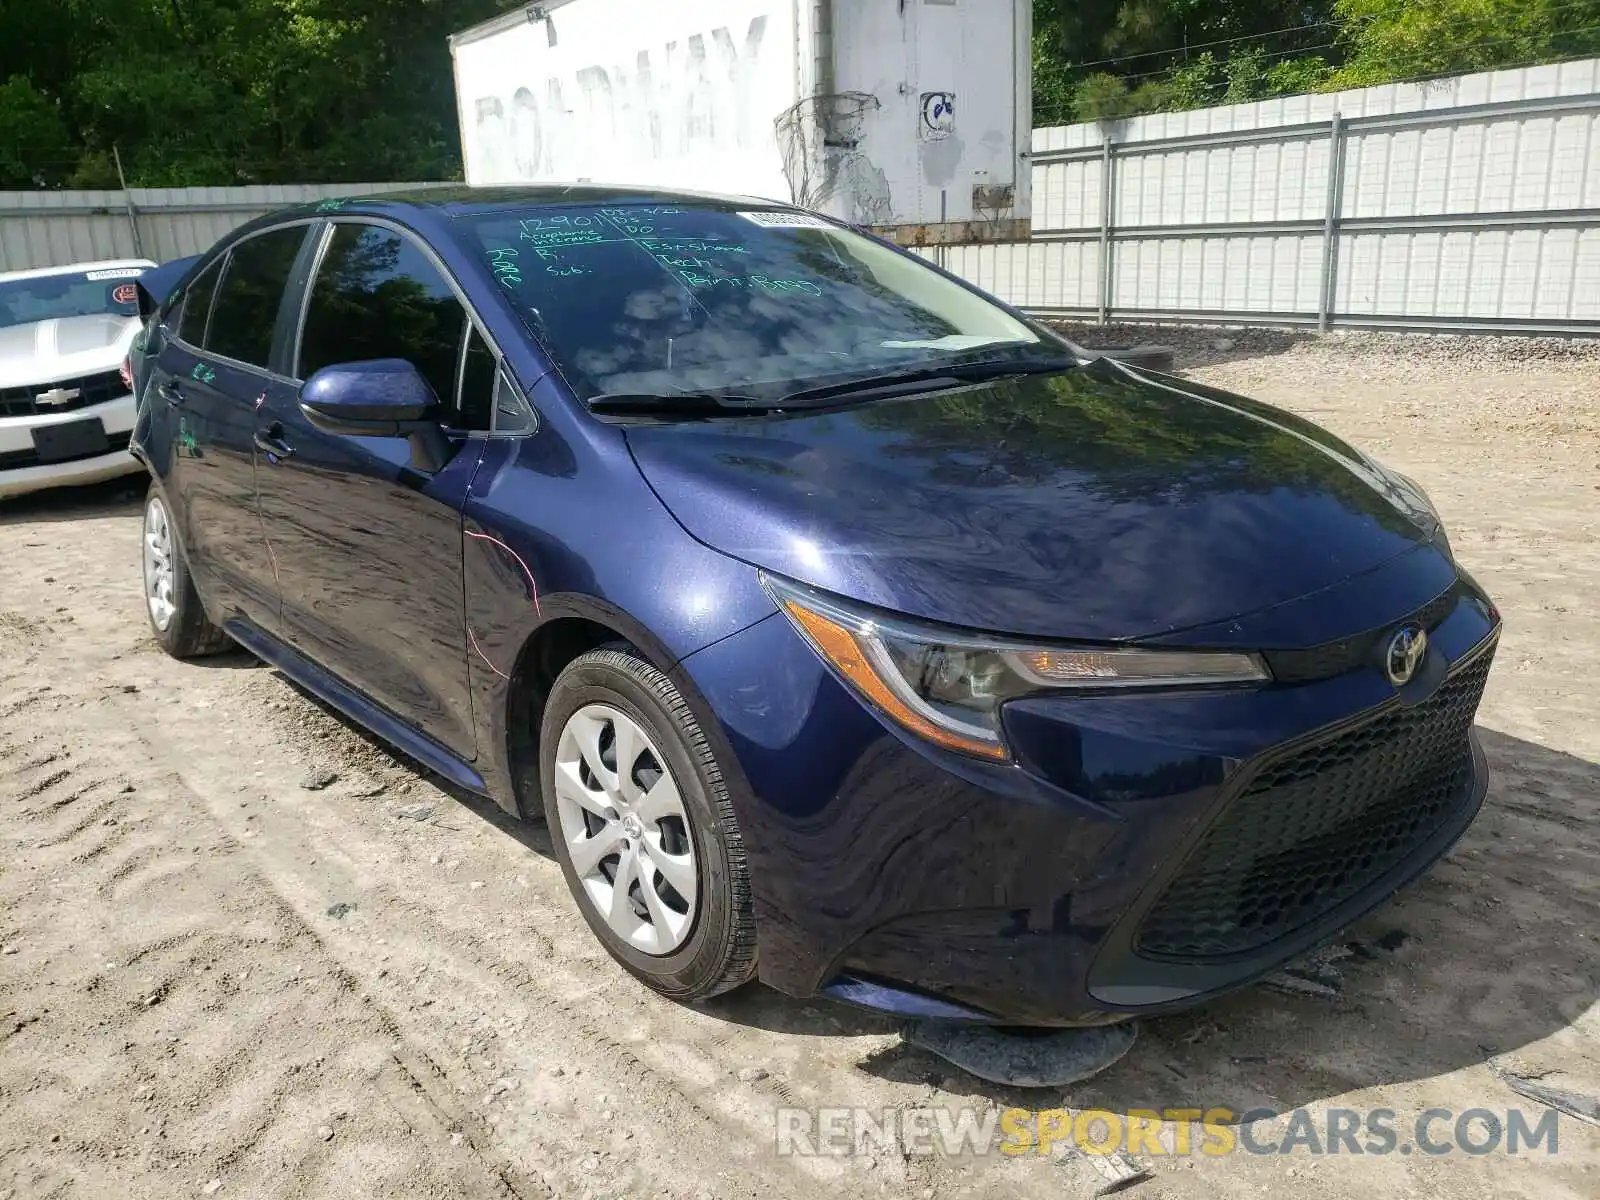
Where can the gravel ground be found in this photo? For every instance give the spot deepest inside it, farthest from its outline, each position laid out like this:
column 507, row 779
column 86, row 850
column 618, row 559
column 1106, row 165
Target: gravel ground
column 249, row 953
column 1200, row 347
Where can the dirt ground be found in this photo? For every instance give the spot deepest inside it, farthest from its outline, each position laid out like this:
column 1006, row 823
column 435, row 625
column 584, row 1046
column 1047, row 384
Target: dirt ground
column 219, row 979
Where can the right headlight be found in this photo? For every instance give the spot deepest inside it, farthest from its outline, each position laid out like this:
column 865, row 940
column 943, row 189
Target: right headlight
column 948, row 687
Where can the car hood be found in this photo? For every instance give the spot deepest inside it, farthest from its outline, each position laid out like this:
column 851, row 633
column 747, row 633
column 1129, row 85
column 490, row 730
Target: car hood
column 1101, row 503
column 64, row 348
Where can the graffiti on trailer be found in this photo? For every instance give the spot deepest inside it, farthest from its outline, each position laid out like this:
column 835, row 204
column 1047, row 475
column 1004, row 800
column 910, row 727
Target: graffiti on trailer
column 203, row 373
column 692, row 95
column 938, row 116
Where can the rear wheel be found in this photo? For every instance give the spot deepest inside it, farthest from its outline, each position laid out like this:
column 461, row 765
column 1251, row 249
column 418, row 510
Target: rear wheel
column 177, row 617
column 643, row 827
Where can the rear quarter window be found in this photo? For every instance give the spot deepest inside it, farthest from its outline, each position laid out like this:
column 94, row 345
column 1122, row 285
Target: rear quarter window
column 195, row 308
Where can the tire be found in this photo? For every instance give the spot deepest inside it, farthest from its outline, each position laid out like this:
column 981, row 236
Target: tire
column 173, row 607
column 686, row 955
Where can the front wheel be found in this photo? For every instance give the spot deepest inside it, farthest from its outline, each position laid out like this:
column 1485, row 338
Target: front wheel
column 643, row 827
column 177, row 617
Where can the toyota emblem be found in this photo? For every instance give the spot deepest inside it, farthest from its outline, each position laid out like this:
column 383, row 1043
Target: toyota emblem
column 1404, row 656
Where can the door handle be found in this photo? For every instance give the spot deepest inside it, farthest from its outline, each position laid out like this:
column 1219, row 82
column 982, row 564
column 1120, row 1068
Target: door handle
column 270, row 441
column 170, row 392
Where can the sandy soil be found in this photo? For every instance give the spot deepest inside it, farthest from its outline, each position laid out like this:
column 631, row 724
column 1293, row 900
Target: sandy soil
column 219, row 981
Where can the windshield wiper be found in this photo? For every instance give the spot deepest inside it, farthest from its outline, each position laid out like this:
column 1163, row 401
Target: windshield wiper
column 932, row 378
column 678, row 404
column 945, row 375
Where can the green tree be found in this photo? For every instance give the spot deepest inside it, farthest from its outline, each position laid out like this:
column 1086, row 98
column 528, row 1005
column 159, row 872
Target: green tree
column 229, row 91
column 1107, row 59
column 29, row 118
column 274, row 91
column 1098, row 59
column 1409, row 39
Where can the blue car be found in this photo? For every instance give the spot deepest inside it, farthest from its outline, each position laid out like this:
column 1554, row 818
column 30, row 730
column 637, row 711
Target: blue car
column 848, row 628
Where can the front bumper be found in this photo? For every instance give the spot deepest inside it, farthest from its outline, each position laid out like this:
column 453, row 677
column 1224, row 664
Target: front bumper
column 1140, row 856
column 22, row 471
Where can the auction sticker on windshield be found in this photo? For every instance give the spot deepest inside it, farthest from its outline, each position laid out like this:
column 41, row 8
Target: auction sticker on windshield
column 787, row 220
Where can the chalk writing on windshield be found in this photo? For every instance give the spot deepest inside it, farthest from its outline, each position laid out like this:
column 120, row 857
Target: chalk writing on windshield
column 701, row 263
column 758, row 283
column 691, row 246
column 504, row 261
column 566, row 237
column 635, row 222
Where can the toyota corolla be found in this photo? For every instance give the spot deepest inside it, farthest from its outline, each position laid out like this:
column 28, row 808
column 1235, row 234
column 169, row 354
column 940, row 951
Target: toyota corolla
column 848, row 628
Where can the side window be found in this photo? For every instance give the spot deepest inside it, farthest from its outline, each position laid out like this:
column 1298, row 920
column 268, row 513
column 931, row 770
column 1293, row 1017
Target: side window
column 478, row 379
column 197, row 306
column 377, row 295
column 511, row 412
column 246, row 311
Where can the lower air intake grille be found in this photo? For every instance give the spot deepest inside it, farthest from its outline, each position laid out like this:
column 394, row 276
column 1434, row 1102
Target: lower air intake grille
column 1320, row 826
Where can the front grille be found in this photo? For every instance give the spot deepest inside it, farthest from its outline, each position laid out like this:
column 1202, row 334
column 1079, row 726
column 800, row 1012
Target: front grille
column 91, row 389
column 12, row 460
column 1335, row 658
column 1320, row 826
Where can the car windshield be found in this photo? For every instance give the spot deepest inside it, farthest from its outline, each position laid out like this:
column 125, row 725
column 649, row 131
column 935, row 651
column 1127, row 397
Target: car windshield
column 645, row 299
column 70, row 294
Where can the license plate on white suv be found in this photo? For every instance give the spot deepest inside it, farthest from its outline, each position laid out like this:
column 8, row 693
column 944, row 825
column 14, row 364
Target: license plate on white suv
column 70, row 440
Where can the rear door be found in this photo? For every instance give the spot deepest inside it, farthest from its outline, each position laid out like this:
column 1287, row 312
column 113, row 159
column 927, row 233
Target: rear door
column 211, row 379
column 368, row 549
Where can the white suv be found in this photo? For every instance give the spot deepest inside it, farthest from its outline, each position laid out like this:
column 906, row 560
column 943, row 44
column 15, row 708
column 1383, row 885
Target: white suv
column 66, row 403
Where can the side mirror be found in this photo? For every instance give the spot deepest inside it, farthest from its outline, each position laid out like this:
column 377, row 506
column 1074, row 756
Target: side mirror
column 383, row 397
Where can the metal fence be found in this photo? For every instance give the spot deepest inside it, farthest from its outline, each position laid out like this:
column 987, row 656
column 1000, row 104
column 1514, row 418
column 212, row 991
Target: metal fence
column 1468, row 204
column 51, row 228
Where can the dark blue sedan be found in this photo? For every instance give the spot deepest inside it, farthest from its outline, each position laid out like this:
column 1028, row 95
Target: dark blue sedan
column 848, row 628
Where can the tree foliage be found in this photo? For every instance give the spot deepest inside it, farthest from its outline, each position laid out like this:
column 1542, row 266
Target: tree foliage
column 1107, row 59
column 269, row 91
column 229, row 91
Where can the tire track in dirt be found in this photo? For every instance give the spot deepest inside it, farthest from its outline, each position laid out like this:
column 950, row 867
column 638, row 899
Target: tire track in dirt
column 148, row 1035
column 478, row 981
column 647, row 1096
column 166, row 967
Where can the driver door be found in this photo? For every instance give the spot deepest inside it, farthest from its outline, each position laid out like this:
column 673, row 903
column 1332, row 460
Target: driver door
column 367, row 548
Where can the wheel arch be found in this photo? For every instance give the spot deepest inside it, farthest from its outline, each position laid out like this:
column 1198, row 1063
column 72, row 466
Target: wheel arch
column 574, row 625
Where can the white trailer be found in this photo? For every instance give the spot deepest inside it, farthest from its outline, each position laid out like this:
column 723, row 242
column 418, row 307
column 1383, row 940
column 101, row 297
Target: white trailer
column 911, row 116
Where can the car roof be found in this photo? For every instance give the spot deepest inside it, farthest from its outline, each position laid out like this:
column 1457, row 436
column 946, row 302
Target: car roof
column 108, row 264
column 458, row 201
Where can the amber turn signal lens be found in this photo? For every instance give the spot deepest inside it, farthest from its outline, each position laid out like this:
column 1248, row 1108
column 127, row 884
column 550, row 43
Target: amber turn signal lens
column 841, row 648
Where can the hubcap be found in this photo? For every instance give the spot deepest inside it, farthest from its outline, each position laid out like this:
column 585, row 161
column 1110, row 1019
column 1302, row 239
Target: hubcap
column 625, row 829
column 159, row 592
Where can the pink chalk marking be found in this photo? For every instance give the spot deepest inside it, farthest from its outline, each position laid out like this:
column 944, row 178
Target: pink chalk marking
column 484, row 656
column 532, row 587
